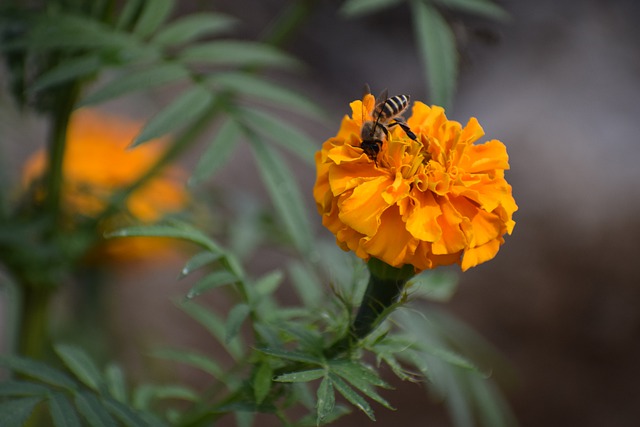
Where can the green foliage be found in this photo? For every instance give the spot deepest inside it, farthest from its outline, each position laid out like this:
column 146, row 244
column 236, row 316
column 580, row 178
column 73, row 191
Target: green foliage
column 280, row 356
column 435, row 40
column 479, row 7
column 83, row 392
column 436, row 43
column 189, row 107
column 353, row 8
column 434, row 285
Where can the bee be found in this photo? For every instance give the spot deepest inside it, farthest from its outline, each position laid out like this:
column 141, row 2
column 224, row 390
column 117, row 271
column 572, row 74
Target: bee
column 386, row 114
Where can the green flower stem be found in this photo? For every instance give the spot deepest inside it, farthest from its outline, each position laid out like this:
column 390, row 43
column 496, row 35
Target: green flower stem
column 385, row 286
column 33, row 335
column 57, row 147
column 33, row 340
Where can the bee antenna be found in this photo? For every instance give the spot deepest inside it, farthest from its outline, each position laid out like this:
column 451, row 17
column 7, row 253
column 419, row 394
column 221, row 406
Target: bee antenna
column 366, row 89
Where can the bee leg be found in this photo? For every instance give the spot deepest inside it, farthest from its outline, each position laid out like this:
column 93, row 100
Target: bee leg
column 405, row 128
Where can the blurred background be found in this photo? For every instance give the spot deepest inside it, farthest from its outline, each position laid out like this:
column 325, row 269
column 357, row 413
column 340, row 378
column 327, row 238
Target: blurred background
column 559, row 85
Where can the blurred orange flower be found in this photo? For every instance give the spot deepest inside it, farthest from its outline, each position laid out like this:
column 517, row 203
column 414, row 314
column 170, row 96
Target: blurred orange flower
column 97, row 163
column 438, row 200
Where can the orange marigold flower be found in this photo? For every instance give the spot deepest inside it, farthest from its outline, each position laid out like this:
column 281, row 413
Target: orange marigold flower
column 434, row 201
column 97, row 163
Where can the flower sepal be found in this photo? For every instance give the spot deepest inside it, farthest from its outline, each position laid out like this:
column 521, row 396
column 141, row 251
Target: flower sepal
column 385, row 286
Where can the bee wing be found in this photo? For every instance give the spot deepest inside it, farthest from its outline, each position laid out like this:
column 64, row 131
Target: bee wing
column 384, row 95
column 366, row 90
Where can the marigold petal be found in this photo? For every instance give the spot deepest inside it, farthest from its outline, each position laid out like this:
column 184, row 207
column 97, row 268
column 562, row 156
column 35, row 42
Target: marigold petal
column 486, row 157
column 453, row 239
column 472, row 131
column 480, row 226
column 424, row 258
column 488, row 193
column 480, row 254
column 362, row 207
column 351, row 175
column 422, row 222
column 344, row 153
column 399, row 189
column 348, row 127
column 392, row 243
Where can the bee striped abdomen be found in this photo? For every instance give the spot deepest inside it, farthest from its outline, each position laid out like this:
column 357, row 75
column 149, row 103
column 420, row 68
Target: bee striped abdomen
column 392, row 107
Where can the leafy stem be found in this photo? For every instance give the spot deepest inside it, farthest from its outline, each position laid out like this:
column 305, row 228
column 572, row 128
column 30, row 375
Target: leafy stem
column 67, row 97
column 386, row 284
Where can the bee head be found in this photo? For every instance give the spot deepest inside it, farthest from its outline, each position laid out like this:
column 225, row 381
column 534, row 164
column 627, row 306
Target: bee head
column 372, row 132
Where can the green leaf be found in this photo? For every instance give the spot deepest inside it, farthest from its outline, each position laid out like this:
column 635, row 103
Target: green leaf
column 127, row 415
column 244, row 419
column 154, row 13
column 359, row 377
column 285, row 194
column 192, row 27
column 434, row 285
column 136, row 80
column 80, row 365
column 326, row 400
column 93, row 410
column 351, row 369
column 22, row 388
column 246, row 406
column 191, row 358
column 69, row 69
column 175, row 230
column 479, row 7
column 308, row 337
column 281, row 132
column 217, row 153
column 214, row 325
column 66, row 31
column 187, row 108
column 301, row 376
column 307, row 284
column 198, row 261
column 268, row 283
column 62, row 411
column 258, row 88
column 235, row 318
column 492, row 406
column 237, row 53
column 114, row 379
column 437, row 48
column 353, row 397
column 211, row 281
column 303, row 395
column 262, row 382
column 145, row 394
column 395, row 366
column 39, row 371
column 16, row 412
column 129, row 11
column 452, row 358
column 292, row 355
column 352, row 8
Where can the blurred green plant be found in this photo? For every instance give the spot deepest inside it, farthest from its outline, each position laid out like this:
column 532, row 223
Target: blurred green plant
column 62, row 55
column 434, row 37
